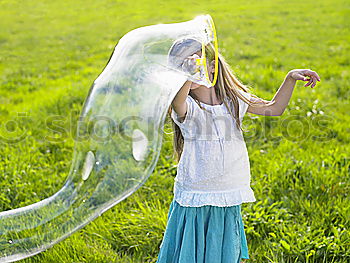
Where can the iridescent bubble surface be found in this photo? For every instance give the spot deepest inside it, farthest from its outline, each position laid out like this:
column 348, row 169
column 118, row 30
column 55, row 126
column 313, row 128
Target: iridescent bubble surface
column 119, row 135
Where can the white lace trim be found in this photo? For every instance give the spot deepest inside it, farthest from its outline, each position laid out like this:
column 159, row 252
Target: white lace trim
column 221, row 199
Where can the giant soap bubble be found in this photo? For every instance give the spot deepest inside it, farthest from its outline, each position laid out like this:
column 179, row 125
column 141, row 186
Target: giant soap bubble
column 119, row 134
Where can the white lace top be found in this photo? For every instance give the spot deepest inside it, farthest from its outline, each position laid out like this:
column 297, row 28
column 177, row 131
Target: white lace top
column 214, row 166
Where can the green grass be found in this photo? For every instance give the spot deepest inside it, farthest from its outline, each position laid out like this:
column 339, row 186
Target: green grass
column 52, row 51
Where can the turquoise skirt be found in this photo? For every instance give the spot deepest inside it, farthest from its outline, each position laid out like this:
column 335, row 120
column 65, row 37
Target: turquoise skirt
column 203, row 234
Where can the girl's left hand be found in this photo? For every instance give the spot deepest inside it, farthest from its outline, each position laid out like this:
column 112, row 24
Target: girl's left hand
column 299, row 74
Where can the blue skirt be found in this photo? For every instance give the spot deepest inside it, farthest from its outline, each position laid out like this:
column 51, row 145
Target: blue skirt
column 203, row 234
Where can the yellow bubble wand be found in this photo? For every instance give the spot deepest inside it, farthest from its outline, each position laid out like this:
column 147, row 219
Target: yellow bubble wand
column 203, row 62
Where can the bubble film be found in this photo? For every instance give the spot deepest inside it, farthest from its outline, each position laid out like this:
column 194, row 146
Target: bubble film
column 119, row 133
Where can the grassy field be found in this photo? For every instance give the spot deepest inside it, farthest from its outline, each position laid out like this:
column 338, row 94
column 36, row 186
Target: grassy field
column 52, row 51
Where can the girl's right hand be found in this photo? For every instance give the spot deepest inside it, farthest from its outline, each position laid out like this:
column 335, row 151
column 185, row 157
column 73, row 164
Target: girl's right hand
column 189, row 65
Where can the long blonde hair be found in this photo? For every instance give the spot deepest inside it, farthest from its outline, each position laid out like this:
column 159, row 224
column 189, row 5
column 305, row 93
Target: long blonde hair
column 227, row 86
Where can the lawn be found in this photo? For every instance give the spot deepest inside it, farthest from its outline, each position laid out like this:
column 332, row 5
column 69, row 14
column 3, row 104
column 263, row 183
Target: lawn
column 52, row 51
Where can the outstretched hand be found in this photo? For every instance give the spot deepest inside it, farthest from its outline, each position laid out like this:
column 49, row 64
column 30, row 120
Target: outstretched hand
column 302, row 74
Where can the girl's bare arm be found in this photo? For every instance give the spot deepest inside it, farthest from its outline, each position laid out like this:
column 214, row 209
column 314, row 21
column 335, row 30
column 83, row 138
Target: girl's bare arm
column 284, row 93
column 179, row 104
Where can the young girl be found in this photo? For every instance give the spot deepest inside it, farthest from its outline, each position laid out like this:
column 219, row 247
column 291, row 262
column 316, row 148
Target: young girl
column 213, row 174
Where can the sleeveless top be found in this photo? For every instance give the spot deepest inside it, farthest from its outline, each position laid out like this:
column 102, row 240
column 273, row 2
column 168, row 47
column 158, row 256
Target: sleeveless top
column 214, row 166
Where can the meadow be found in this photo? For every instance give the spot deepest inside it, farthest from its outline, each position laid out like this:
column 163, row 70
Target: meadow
column 52, row 51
